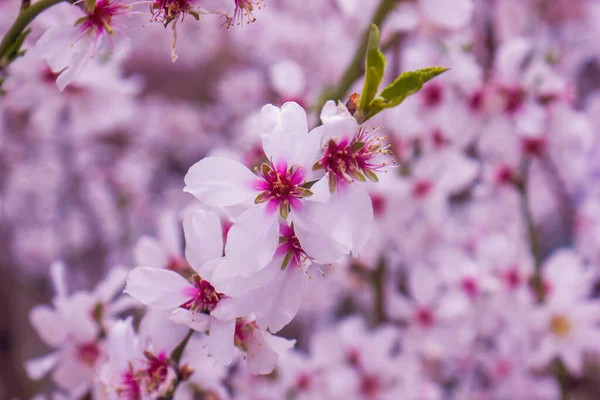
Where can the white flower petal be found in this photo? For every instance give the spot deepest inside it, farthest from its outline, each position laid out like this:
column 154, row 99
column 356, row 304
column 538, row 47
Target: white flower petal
column 220, row 340
column 252, row 240
column 203, row 237
column 452, row 14
column 283, row 131
column 49, row 324
column 158, row 288
column 220, row 182
column 197, row 321
column 37, row 368
column 149, row 252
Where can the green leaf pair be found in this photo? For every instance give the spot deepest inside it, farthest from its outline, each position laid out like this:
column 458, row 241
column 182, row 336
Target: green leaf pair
column 406, row 84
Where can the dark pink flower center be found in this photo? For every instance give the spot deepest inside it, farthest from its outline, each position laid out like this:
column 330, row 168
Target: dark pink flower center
column 534, row 146
column 156, row 372
column 242, row 333
column 88, row 353
column 243, row 10
column 290, row 248
column 346, row 161
column 165, row 11
column 281, row 187
column 379, row 204
column 422, row 188
column 432, row 94
column 370, row 386
column 99, row 20
column 129, row 388
column 470, row 286
column 512, row 278
column 203, row 296
column 424, row 317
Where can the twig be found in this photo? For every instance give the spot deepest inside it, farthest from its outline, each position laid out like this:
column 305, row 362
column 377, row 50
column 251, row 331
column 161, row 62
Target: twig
column 24, row 18
column 356, row 66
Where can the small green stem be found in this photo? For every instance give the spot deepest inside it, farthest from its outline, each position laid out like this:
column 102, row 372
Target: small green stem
column 24, row 18
column 356, row 67
column 377, row 280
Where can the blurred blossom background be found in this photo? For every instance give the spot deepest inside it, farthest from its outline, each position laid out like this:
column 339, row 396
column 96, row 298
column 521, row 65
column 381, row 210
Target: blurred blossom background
column 480, row 280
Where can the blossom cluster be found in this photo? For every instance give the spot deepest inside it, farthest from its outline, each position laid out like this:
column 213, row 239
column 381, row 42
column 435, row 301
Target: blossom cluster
column 446, row 248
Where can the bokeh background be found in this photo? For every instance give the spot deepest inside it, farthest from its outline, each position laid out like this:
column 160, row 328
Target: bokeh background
column 86, row 172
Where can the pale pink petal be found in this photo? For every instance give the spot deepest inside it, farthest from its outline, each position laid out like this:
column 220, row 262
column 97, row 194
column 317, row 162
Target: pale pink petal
column 48, row 324
column 170, row 232
column 57, row 274
column 424, row 285
column 338, row 123
column 452, row 14
column 281, row 299
column 252, row 240
column 220, row 182
column 158, row 288
column 203, row 237
column 37, row 368
column 158, row 331
column 70, row 374
column 112, row 284
column 227, row 279
column 148, row 252
column 261, row 359
column 283, row 131
column 197, row 321
column 220, row 340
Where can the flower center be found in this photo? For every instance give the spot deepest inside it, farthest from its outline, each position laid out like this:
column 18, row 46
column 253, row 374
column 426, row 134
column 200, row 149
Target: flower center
column 204, row 297
column 560, row 325
column 165, row 11
column 358, row 159
column 289, row 245
column 99, row 20
column 243, row 9
column 280, row 187
column 422, row 188
column 424, row 317
column 129, row 388
column 243, row 330
column 156, row 372
column 88, row 353
column 469, row 285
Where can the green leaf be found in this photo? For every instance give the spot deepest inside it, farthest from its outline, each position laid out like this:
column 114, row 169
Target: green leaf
column 374, row 67
column 407, row 83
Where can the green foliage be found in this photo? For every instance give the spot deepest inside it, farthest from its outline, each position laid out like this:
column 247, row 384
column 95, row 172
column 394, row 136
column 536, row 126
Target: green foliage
column 407, row 83
column 374, row 67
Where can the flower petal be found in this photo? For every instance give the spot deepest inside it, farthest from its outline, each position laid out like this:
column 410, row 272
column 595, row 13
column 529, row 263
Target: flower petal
column 203, row 237
column 252, row 240
column 158, row 288
column 220, row 182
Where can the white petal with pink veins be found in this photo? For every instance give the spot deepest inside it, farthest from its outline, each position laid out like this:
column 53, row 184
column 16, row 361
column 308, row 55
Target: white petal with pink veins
column 220, row 340
column 220, row 182
column 283, row 129
column 252, row 240
column 203, row 237
column 158, row 288
column 452, row 14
